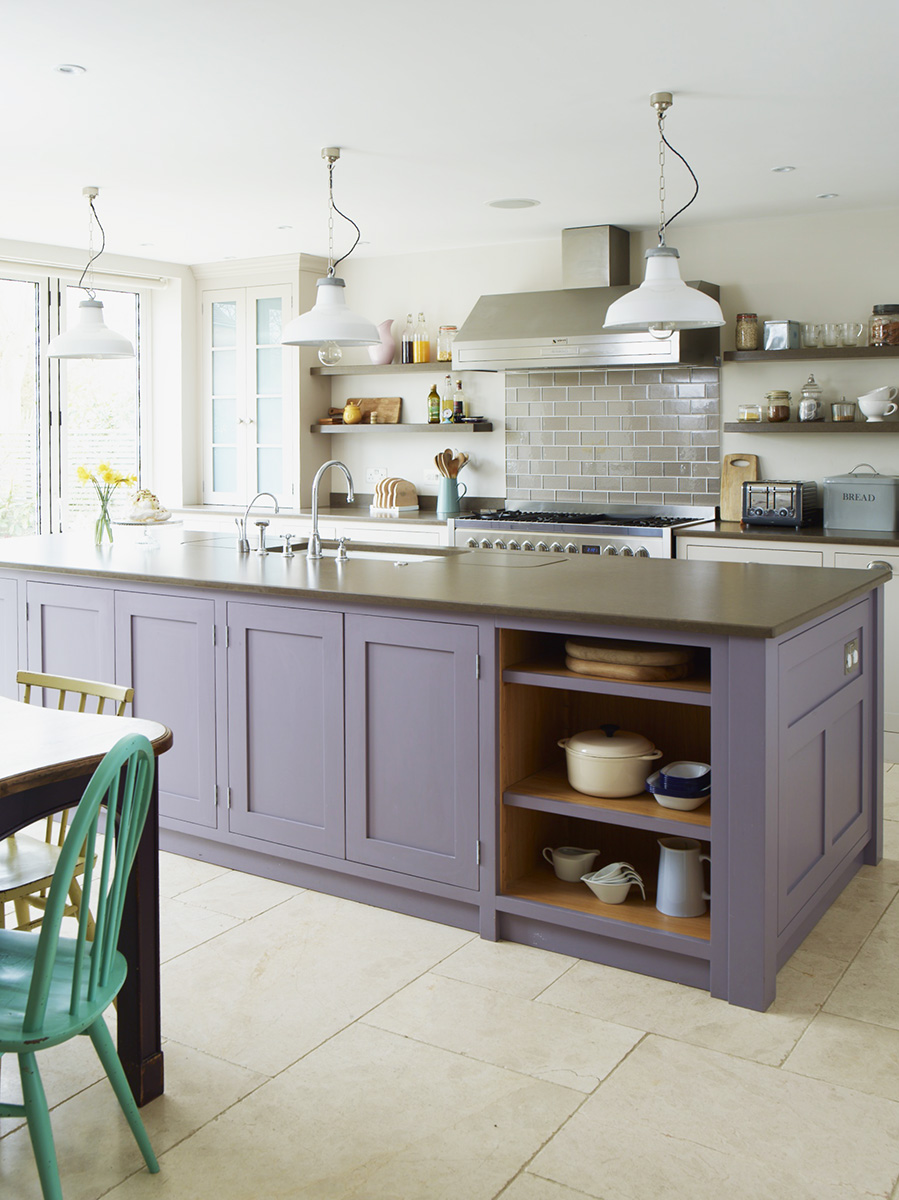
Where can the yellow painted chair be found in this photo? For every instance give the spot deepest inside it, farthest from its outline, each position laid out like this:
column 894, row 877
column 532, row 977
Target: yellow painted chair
column 27, row 863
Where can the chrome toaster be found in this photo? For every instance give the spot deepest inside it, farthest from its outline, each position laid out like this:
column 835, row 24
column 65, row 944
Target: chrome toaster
column 781, row 502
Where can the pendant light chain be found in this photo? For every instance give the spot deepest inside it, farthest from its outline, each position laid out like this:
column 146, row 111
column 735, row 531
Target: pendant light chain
column 332, row 209
column 661, row 178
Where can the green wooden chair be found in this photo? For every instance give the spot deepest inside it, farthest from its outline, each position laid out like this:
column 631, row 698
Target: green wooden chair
column 54, row 987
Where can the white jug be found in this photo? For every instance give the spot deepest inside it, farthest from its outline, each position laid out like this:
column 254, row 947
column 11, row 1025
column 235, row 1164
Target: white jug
column 680, row 891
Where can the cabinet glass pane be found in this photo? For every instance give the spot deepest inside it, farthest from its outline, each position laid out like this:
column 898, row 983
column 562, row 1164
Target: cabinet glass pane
column 224, row 469
column 224, row 419
column 268, row 322
column 224, row 376
column 224, row 323
column 268, row 371
column 268, row 470
column 268, row 420
column 19, row 409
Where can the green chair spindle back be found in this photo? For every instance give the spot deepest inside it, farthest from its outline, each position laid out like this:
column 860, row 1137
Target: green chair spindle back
column 124, row 779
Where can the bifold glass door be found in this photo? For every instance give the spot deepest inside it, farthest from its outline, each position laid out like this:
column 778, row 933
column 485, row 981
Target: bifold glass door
column 21, row 468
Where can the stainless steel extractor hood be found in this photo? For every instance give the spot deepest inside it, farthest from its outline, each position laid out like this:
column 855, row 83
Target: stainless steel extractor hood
column 552, row 330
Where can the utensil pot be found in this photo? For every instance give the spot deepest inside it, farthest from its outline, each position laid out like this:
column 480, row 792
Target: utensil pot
column 448, row 496
column 680, row 891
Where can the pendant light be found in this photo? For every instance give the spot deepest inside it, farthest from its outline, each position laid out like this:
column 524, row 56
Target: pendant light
column 91, row 337
column 663, row 302
column 329, row 324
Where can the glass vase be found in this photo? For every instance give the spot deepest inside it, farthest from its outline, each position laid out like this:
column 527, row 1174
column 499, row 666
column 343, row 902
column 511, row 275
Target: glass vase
column 102, row 524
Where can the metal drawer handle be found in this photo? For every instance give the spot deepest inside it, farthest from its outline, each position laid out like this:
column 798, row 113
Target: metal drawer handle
column 876, row 562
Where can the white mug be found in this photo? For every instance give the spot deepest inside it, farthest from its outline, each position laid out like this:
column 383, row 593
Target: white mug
column 876, row 410
column 570, row 862
column 885, row 394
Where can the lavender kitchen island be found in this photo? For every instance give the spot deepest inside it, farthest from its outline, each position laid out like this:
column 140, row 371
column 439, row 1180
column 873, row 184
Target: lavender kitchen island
column 389, row 732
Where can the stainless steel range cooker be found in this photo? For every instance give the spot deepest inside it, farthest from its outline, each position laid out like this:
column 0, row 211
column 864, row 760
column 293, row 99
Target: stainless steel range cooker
column 639, row 531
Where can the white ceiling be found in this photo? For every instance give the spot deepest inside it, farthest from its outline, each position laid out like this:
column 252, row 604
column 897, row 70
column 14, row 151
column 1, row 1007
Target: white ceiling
column 202, row 121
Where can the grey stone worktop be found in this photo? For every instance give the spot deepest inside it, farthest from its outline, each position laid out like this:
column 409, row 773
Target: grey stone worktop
column 751, row 600
column 786, row 533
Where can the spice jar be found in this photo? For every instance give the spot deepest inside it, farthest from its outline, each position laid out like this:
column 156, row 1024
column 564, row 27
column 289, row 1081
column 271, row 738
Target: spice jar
column 778, row 405
column 746, row 336
column 749, row 412
column 883, row 326
column 445, row 337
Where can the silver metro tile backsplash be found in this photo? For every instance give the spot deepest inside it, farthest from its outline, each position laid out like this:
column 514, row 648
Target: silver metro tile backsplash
column 643, row 436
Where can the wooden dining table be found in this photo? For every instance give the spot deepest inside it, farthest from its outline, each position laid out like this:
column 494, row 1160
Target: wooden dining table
column 47, row 757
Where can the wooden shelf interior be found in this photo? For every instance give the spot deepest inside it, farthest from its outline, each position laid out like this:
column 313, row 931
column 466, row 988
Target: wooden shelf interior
column 532, row 720
column 526, row 875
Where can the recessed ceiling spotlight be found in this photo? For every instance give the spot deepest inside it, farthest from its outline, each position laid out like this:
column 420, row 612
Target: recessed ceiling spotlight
column 827, row 195
column 782, row 170
column 285, row 227
column 512, row 203
column 70, row 69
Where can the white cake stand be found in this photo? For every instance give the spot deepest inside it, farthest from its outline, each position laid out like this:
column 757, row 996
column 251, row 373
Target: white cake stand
column 149, row 539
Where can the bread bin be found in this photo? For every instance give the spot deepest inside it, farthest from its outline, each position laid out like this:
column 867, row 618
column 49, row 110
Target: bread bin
column 609, row 762
column 862, row 501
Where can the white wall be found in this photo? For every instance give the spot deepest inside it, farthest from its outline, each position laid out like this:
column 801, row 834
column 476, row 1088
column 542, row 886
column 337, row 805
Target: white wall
column 828, row 267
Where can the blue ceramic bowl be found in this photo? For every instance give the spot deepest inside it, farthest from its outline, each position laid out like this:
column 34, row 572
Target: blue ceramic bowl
column 682, row 779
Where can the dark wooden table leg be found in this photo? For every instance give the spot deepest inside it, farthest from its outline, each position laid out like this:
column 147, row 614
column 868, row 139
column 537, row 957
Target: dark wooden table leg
column 139, row 1026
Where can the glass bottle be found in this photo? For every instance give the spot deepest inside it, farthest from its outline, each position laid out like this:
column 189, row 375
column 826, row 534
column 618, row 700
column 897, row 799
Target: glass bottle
column 407, row 341
column 460, row 403
column 446, row 402
column 746, row 335
column 421, row 344
column 445, row 337
column 433, row 406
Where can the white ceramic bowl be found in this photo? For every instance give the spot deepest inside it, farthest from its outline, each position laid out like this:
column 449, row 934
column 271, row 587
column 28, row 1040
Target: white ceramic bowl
column 609, row 893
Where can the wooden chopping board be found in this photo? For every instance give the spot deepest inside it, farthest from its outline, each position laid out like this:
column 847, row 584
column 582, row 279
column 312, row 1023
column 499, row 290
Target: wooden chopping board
column 611, row 650
column 626, row 671
column 736, row 469
column 387, row 408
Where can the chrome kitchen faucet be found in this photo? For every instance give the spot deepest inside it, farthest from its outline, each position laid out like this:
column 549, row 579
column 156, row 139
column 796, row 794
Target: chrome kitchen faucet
column 315, row 543
column 243, row 544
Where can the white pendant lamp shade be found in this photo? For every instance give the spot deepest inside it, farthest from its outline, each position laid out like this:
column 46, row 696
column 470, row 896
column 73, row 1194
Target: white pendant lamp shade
column 91, row 337
column 663, row 302
column 329, row 320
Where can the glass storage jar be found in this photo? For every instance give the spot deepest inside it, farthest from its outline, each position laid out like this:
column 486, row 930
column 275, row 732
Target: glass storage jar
column 749, row 412
column 746, row 335
column 445, row 336
column 883, row 326
column 778, row 405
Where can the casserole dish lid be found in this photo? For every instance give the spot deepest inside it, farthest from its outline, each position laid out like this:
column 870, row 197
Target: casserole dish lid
column 609, row 742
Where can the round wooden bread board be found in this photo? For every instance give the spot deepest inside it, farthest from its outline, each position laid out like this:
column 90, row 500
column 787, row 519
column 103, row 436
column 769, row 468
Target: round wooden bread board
column 609, row 650
column 626, row 671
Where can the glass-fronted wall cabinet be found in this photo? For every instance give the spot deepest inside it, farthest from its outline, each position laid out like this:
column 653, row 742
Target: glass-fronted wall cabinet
column 249, row 394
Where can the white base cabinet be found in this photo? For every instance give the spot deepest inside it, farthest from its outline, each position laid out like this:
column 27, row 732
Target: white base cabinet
column 713, row 549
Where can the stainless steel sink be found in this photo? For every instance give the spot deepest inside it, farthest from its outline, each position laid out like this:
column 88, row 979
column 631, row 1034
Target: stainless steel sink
column 403, row 554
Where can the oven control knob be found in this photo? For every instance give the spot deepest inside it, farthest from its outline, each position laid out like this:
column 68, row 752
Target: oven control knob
column 571, row 548
column 527, row 545
column 472, row 543
column 499, row 544
column 485, row 544
column 626, row 552
column 610, row 549
column 556, row 548
column 542, row 546
column 513, row 545
column 641, row 552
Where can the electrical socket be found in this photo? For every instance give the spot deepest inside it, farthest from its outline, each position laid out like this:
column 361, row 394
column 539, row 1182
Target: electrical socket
column 373, row 474
column 850, row 656
column 432, row 475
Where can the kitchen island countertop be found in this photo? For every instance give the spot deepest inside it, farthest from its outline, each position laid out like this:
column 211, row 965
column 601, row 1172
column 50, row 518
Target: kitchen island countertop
column 749, row 600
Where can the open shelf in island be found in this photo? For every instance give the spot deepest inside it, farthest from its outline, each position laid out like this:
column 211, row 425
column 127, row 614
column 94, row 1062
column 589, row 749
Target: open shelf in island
column 549, row 791
column 542, row 887
column 552, row 673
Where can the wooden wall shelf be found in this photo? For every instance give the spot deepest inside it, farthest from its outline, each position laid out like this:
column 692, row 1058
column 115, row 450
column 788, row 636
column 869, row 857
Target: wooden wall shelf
column 435, row 368
column 811, row 427
column 817, row 354
column 408, row 427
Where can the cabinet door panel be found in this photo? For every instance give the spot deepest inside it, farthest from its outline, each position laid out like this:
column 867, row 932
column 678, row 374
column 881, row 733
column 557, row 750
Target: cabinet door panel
column 71, row 631
column 412, row 759
column 285, row 723
column 860, row 560
column 165, row 651
column 9, row 638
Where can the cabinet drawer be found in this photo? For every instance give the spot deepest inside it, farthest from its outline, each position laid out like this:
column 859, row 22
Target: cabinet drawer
column 712, row 551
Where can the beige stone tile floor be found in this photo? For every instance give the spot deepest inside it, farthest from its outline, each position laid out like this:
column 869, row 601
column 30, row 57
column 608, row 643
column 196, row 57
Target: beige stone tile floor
column 318, row 1049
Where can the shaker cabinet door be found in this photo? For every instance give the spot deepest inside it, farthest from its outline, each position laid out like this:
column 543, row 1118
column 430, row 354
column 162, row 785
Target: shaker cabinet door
column 70, row 631
column 412, row 747
column 165, row 651
column 285, row 726
column 9, row 638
